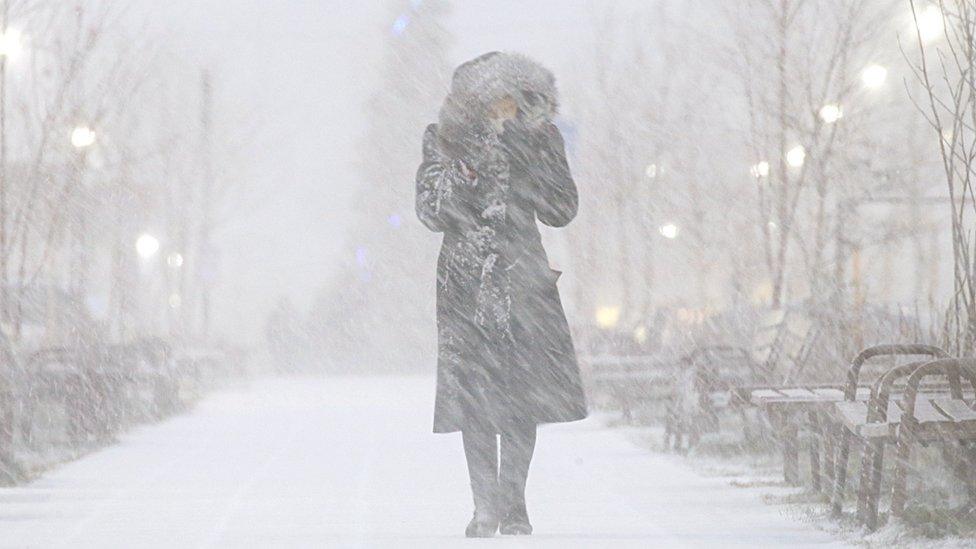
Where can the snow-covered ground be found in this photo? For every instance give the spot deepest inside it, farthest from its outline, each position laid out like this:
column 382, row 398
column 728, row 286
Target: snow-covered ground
column 351, row 462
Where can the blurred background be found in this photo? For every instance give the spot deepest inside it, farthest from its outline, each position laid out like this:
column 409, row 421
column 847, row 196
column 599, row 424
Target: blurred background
column 243, row 171
column 194, row 193
column 731, row 159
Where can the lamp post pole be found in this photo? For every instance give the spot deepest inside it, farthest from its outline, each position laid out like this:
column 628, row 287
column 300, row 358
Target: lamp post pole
column 82, row 138
column 205, row 257
column 4, row 290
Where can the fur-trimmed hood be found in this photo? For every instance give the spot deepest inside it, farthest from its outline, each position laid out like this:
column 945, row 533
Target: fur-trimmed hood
column 463, row 123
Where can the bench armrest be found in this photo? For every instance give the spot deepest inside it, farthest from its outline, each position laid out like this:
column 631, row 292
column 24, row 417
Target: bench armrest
column 881, row 391
column 953, row 368
column 854, row 372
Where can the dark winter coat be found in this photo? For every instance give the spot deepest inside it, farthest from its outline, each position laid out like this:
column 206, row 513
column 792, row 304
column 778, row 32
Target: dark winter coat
column 504, row 347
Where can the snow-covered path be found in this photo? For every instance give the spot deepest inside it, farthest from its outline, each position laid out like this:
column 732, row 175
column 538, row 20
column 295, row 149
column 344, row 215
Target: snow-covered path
column 351, row 462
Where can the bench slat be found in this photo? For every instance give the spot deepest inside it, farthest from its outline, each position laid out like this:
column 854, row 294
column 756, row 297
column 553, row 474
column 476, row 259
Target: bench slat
column 632, row 376
column 760, row 395
column 851, row 414
column 611, row 361
column 799, row 392
column 925, row 412
column 829, row 394
column 854, row 416
column 956, row 410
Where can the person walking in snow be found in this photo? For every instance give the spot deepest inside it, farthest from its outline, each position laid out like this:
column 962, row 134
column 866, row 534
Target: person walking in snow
column 492, row 165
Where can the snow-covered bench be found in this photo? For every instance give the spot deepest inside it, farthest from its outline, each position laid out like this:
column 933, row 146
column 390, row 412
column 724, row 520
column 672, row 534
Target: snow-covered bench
column 810, row 409
column 56, row 392
column 904, row 408
column 723, row 376
column 628, row 380
column 700, row 390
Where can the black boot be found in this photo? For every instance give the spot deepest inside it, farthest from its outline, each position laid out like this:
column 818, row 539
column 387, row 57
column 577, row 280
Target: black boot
column 481, row 449
column 483, row 524
column 515, row 522
column 518, row 444
column 513, row 516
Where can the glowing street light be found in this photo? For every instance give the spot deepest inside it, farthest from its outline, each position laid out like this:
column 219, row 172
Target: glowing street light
column 11, row 43
column 174, row 260
column 874, row 76
column 831, row 113
column 83, row 137
column 147, row 245
column 607, row 317
column 640, row 334
column 796, row 156
column 760, row 169
column 651, row 171
column 669, row 231
column 930, row 23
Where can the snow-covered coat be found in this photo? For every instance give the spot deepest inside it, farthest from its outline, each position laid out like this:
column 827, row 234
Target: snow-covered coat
column 504, row 348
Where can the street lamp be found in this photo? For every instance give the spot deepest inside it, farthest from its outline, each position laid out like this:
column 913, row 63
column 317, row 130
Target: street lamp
column 83, row 137
column 796, row 156
column 831, row 113
column 760, row 169
column 607, row 317
column 669, row 231
column 147, row 245
column 11, row 43
column 651, row 171
column 873, row 76
column 930, row 23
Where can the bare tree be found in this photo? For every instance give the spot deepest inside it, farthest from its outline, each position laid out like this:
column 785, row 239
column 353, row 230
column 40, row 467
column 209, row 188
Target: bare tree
column 82, row 170
column 800, row 65
column 947, row 73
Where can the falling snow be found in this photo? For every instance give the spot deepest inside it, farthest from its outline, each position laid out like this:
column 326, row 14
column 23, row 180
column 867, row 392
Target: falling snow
column 261, row 261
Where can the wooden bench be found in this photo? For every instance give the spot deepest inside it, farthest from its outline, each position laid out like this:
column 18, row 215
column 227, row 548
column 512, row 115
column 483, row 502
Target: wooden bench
column 921, row 417
column 780, row 347
column 785, row 340
column 876, row 421
column 162, row 379
column 946, row 419
column 792, row 408
column 56, row 376
column 137, row 380
column 808, row 407
column 628, row 380
column 700, row 390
